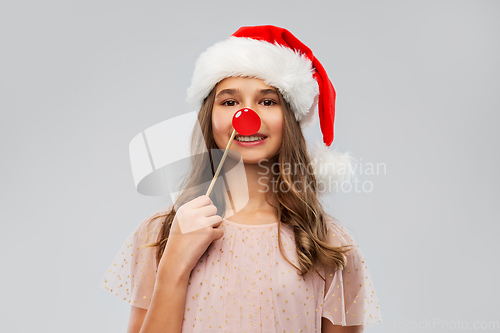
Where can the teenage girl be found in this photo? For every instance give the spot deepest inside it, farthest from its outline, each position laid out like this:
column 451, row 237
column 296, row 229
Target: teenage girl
column 278, row 264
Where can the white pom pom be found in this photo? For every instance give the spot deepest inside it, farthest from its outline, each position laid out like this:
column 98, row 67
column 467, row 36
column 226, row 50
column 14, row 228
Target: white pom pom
column 331, row 167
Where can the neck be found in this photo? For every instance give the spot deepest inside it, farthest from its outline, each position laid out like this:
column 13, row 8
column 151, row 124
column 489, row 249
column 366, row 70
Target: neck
column 254, row 197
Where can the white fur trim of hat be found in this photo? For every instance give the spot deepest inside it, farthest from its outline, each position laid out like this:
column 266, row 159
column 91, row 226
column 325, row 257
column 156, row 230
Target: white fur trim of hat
column 280, row 67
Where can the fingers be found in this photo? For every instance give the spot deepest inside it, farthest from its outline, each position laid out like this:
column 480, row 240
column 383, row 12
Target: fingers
column 216, row 232
column 203, row 208
column 208, row 211
column 214, row 221
column 217, row 224
column 201, row 201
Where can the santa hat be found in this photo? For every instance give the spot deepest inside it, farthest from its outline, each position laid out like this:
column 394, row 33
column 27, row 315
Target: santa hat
column 277, row 57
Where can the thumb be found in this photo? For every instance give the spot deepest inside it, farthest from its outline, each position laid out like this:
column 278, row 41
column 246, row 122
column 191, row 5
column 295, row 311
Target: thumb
column 218, row 233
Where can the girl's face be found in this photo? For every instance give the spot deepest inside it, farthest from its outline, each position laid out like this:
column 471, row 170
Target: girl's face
column 235, row 93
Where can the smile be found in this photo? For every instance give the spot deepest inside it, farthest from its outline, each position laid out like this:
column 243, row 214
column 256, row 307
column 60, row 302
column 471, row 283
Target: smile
column 250, row 141
column 249, row 138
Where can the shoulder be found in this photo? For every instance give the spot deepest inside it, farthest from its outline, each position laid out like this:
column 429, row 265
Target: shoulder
column 338, row 235
column 356, row 266
column 148, row 229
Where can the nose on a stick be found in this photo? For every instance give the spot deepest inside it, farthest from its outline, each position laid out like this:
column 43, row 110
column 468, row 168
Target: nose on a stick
column 246, row 121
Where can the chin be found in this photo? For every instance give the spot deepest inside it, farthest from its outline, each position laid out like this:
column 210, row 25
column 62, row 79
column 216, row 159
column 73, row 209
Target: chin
column 257, row 159
column 251, row 160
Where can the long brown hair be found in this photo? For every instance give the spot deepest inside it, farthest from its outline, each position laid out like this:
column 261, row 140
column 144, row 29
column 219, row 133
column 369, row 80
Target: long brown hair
column 298, row 206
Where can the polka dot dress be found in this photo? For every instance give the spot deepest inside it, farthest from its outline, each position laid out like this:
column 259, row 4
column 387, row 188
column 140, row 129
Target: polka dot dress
column 243, row 284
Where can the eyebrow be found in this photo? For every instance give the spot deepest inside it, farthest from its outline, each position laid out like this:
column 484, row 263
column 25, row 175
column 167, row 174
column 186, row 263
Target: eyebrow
column 268, row 91
column 236, row 91
column 228, row 91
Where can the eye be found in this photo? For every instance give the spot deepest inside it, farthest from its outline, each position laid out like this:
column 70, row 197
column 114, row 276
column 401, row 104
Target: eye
column 268, row 102
column 229, row 102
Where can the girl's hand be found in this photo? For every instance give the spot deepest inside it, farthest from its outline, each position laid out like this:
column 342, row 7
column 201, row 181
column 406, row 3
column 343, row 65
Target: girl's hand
column 183, row 251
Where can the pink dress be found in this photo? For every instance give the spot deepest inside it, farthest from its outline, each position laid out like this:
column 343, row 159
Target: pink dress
column 243, row 284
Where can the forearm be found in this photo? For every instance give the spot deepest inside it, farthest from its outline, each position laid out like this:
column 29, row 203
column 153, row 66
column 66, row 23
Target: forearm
column 166, row 311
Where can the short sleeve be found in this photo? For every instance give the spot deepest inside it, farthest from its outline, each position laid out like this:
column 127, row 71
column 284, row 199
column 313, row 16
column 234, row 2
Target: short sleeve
column 131, row 275
column 350, row 297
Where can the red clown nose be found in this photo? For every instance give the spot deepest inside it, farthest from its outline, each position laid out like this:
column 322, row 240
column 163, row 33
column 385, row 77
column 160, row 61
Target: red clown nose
column 246, row 121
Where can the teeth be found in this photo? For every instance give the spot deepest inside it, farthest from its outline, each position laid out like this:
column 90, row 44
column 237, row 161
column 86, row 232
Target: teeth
column 249, row 138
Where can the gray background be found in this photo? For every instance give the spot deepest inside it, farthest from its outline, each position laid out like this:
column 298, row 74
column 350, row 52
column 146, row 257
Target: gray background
column 417, row 85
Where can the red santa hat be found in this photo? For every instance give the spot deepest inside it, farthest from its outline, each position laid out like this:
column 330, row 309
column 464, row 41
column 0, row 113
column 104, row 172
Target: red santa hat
column 277, row 57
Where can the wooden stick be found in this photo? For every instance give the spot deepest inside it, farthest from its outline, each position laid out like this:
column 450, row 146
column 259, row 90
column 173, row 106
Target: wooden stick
column 221, row 162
